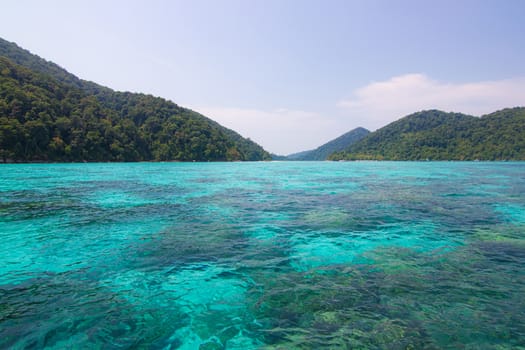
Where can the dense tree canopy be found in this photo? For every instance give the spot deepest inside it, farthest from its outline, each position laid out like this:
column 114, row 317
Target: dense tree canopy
column 48, row 114
column 436, row 135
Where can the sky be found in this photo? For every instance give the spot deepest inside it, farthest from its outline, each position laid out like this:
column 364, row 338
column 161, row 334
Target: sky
column 289, row 74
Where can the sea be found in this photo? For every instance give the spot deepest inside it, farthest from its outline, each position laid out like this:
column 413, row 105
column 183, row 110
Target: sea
column 263, row 255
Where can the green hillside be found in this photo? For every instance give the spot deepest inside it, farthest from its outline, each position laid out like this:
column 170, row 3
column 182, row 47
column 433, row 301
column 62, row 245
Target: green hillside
column 436, row 135
column 48, row 114
column 336, row 145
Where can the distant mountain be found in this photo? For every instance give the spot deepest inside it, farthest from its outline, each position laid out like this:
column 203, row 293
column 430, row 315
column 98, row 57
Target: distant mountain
column 277, row 157
column 436, row 135
column 49, row 114
column 336, row 145
column 298, row 155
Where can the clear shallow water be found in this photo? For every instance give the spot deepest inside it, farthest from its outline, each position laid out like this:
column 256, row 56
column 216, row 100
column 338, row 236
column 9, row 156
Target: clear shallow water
column 365, row 255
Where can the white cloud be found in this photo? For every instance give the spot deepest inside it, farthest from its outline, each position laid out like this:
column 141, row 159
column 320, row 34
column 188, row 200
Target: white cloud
column 380, row 103
column 282, row 131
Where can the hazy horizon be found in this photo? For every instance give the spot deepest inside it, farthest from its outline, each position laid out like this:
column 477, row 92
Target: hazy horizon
column 290, row 75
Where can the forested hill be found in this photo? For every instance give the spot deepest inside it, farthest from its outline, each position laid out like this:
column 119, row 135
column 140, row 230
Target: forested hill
column 436, row 135
column 336, row 145
column 48, row 114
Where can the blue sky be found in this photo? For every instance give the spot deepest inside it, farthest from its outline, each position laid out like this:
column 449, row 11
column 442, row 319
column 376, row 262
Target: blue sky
column 291, row 75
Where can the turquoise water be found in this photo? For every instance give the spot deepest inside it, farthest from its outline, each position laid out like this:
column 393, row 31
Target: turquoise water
column 279, row 255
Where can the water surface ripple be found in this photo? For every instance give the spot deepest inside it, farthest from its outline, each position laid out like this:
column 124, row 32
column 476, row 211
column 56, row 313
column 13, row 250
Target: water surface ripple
column 279, row 255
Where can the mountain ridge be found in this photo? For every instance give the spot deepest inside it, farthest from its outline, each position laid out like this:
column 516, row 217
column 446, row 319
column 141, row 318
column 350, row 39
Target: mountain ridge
column 49, row 114
column 338, row 144
column 36, row 94
column 438, row 135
